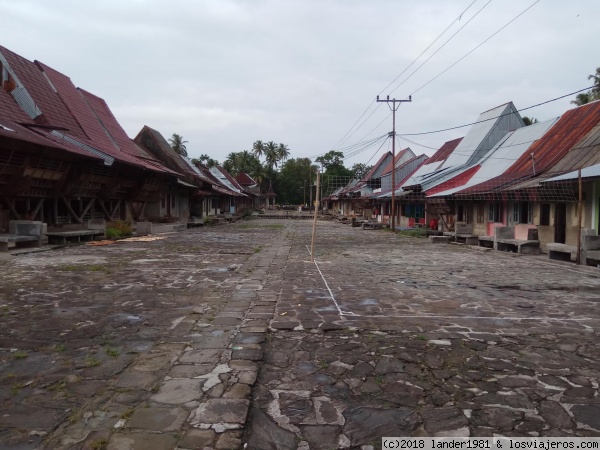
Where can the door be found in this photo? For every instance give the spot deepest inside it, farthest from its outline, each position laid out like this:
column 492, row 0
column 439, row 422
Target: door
column 560, row 223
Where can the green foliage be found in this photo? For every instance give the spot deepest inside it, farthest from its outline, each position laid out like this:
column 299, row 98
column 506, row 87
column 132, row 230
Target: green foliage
column 529, row 120
column 360, row 170
column 417, row 232
column 112, row 352
column 591, row 95
column 178, row 144
column 19, row 354
column 118, row 229
column 295, row 181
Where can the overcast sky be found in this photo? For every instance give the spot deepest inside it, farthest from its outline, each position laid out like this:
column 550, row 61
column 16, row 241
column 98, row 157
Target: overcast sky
column 226, row 73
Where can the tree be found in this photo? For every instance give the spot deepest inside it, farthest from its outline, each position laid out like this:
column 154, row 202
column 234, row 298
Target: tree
column 529, row 120
column 178, row 144
column 596, row 89
column 271, row 155
column 591, row 95
column 360, row 170
column 258, row 148
column 582, row 98
column 283, row 152
column 205, row 160
column 331, row 158
column 295, row 180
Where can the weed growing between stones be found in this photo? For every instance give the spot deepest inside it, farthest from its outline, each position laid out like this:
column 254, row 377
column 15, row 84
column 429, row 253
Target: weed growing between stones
column 127, row 414
column 15, row 388
column 113, row 353
column 100, row 444
column 92, row 362
column 19, row 354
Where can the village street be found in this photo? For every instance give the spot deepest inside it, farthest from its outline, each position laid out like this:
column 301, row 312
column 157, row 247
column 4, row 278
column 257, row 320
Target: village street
column 223, row 336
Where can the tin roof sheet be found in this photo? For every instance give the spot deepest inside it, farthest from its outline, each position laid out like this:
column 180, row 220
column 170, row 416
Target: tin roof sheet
column 42, row 93
column 378, row 167
column 499, row 159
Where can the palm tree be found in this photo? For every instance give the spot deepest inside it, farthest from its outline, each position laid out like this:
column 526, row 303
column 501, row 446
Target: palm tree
column 529, row 120
column 231, row 163
column 271, row 154
column 596, row 89
column 283, row 152
column 258, row 148
column 178, row 144
column 583, row 98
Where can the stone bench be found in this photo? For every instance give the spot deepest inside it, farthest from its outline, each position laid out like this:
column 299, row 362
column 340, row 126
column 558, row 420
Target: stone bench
column 486, row 241
column 518, row 246
column 372, row 226
column 439, row 239
column 72, row 236
column 561, row 252
column 23, row 234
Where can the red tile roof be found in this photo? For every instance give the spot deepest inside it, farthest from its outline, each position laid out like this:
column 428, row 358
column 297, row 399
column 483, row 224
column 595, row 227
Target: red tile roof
column 53, row 110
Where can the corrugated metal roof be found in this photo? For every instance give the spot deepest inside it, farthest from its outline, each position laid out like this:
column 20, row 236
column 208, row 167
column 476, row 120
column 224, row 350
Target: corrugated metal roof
column 548, row 151
column 244, row 179
column 433, row 163
column 224, row 180
column 108, row 160
column 403, row 172
column 53, row 109
column 401, row 157
column 587, row 172
column 490, row 128
column 377, row 169
column 499, row 159
column 10, row 110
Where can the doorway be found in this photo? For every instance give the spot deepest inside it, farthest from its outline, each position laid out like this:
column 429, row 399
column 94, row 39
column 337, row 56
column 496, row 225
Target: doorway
column 560, row 223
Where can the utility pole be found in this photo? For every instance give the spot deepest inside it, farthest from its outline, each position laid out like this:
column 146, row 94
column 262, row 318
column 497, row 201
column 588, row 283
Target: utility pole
column 393, row 101
column 314, row 230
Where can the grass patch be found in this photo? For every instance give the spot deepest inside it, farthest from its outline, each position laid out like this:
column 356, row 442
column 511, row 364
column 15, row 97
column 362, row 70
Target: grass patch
column 417, row 232
column 92, row 362
column 60, row 348
column 59, row 386
column 113, row 353
column 128, row 413
column 15, row 388
column 100, row 444
column 118, row 229
column 19, row 354
column 257, row 249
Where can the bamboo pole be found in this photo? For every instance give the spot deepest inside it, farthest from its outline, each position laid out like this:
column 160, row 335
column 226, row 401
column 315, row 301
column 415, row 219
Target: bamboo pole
column 580, row 209
column 314, row 230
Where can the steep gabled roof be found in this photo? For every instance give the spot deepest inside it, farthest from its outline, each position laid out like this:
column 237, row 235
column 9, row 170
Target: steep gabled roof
column 432, row 165
column 496, row 162
column 54, row 111
column 244, row 179
column 572, row 127
column 401, row 157
column 377, row 170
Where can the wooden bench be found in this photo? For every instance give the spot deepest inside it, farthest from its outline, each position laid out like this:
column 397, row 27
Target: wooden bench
column 23, row 234
column 506, row 242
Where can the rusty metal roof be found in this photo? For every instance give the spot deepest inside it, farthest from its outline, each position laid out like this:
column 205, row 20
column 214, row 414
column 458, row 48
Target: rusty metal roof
column 574, row 131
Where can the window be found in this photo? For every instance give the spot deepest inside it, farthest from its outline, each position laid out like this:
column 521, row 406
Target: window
column 480, row 213
column 545, row 214
column 215, row 203
column 494, row 212
column 522, row 212
column 412, row 211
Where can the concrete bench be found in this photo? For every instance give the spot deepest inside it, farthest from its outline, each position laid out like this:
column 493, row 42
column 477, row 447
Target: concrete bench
column 486, row 241
column 23, row 234
column 561, row 252
column 372, row 225
column 439, row 239
column 505, row 241
column 72, row 236
column 463, row 234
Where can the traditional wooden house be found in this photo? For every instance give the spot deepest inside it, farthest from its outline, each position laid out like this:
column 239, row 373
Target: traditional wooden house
column 123, row 182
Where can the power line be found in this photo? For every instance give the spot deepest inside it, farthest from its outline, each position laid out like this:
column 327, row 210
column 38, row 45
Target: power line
column 441, row 47
column 494, row 118
column 344, row 138
column 490, row 37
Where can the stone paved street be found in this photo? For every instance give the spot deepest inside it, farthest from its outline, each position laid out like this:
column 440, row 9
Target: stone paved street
column 224, row 336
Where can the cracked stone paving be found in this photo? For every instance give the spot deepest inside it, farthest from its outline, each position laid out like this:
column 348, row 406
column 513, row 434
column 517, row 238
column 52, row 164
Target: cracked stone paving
column 228, row 337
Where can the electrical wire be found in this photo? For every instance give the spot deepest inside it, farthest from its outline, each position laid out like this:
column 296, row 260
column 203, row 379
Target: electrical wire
column 471, row 51
column 344, row 138
column 497, row 117
column 440, row 48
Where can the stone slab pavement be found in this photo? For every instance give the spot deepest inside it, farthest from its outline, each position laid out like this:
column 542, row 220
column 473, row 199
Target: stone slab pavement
column 230, row 337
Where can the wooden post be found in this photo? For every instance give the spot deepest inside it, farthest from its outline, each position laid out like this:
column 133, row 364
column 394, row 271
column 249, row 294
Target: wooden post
column 314, row 230
column 579, row 211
